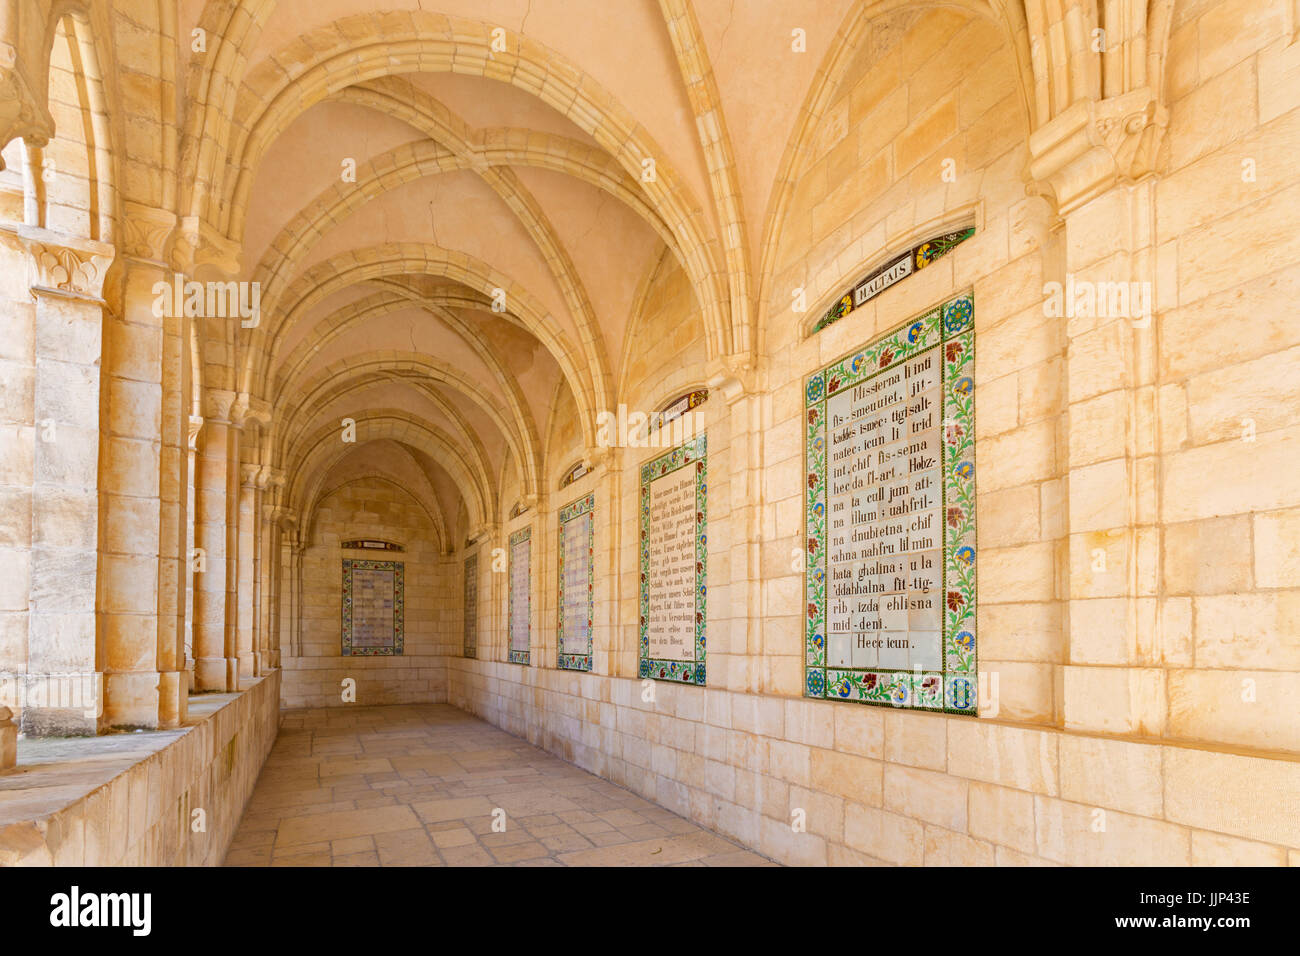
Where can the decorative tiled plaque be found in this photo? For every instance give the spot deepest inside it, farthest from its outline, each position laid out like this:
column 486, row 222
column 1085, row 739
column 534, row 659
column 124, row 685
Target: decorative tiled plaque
column 674, row 558
column 890, row 496
column 521, row 550
column 577, row 577
column 372, row 608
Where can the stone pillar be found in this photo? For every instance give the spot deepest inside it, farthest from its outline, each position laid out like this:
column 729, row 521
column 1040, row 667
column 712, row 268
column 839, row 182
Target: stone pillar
column 147, row 231
column 606, row 465
column 189, row 569
column 736, row 656
column 286, row 634
column 64, row 659
column 144, row 487
column 1096, row 158
column 246, row 573
column 17, row 443
column 216, row 666
column 269, row 573
column 497, row 643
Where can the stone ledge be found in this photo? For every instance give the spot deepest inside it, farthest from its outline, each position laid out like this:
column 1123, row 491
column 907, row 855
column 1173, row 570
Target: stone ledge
column 130, row 799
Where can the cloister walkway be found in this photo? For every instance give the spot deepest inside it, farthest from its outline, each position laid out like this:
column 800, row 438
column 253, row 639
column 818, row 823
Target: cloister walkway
column 421, row 785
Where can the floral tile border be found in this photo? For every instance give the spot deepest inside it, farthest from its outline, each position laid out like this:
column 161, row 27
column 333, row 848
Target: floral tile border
column 583, row 506
column 399, row 607
column 692, row 453
column 954, row 690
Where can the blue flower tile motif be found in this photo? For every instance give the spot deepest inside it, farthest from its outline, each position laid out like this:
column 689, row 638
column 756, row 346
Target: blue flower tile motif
column 956, row 315
column 816, row 388
column 816, row 683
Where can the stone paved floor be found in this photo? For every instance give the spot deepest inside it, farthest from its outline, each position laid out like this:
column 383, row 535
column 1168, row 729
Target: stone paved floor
column 417, row 785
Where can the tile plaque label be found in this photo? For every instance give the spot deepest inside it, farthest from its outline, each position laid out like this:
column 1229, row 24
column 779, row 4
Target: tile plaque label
column 577, row 577
column 521, row 550
column 373, row 602
column 890, row 498
column 674, row 556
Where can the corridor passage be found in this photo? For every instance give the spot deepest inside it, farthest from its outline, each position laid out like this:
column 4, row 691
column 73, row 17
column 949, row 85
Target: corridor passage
column 419, row 785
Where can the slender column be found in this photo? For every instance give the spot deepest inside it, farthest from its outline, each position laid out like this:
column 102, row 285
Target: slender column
column 144, row 487
column 1096, row 159
column 284, row 611
column 245, row 581
column 606, row 464
column 188, row 569
column 147, row 231
column 17, row 443
column 216, row 666
column 736, row 471
column 64, row 658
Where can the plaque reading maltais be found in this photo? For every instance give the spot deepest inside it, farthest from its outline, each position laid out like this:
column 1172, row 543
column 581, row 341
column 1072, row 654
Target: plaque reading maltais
column 521, row 549
column 471, row 606
column 577, row 576
column 890, row 498
column 674, row 556
column 372, row 608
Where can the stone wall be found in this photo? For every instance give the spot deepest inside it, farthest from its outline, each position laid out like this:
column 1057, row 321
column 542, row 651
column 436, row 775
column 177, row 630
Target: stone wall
column 315, row 668
column 879, row 786
column 138, row 808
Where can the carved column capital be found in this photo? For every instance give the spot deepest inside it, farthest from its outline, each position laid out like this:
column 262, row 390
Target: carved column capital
column 248, row 476
column 146, row 232
column 1095, row 144
column 24, row 113
column 66, row 266
column 732, row 377
column 219, row 406
column 199, row 244
column 255, row 409
column 195, row 423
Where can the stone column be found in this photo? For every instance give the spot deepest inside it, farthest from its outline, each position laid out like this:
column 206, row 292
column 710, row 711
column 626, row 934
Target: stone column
column 144, row 488
column 269, row 574
column 736, row 656
column 64, row 656
column 216, row 666
column 286, row 635
column 497, row 642
column 189, row 569
column 1097, row 158
column 607, row 640
column 17, row 443
column 246, row 573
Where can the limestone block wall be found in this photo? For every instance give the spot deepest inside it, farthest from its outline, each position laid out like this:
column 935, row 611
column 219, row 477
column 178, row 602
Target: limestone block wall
column 1136, row 488
column 138, row 810
column 879, row 786
column 315, row 669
